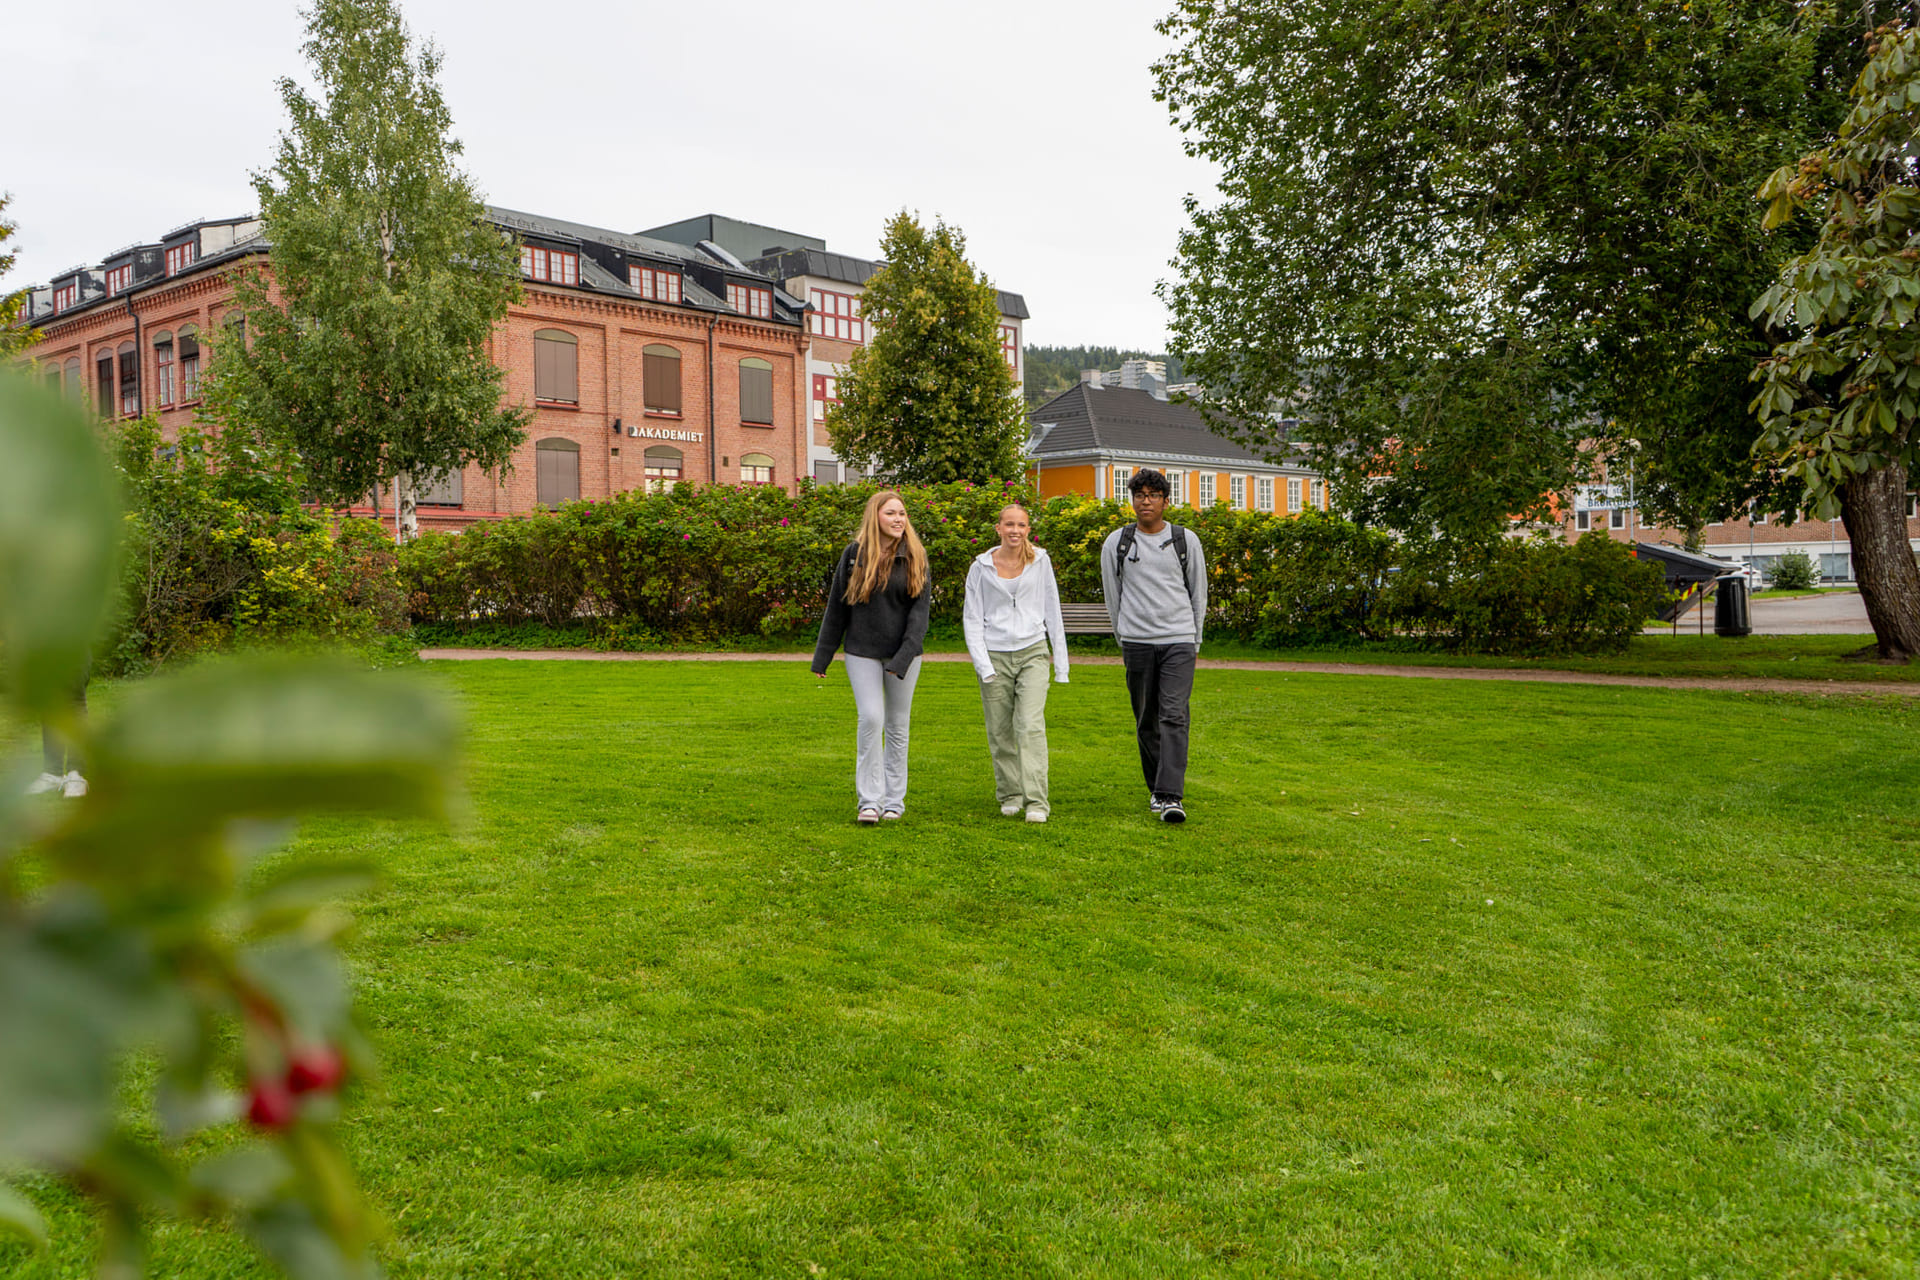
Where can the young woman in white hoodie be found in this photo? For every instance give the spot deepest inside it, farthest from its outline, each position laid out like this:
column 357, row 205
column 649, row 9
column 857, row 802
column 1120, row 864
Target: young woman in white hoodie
column 1012, row 613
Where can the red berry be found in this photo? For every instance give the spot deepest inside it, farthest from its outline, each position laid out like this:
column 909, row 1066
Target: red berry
column 271, row 1106
column 318, row 1068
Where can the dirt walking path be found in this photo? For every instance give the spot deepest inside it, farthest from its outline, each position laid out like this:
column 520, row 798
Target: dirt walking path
column 1728, row 684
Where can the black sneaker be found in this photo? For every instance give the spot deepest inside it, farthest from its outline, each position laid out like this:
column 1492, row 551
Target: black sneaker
column 1171, row 811
column 1155, row 804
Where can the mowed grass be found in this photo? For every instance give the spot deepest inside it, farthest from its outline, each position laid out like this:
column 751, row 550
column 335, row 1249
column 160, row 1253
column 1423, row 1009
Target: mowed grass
column 1441, row 979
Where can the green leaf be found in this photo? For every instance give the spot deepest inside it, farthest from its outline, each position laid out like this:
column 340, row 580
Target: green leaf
column 306, row 981
column 188, row 754
column 248, row 1176
column 59, row 530
column 19, row 1217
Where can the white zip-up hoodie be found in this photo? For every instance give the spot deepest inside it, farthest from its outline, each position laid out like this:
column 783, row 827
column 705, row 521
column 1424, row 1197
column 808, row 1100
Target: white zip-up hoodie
column 1004, row 615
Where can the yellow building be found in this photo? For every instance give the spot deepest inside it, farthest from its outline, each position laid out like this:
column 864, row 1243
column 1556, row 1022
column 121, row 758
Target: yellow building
column 1091, row 439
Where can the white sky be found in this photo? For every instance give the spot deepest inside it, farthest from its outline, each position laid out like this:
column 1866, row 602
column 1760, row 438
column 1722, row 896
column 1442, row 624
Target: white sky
column 1030, row 124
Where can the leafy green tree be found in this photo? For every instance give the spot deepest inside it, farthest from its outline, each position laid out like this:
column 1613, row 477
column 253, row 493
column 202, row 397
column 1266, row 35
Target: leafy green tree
column 930, row 398
column 14, row 336
column 1840, row 396
column 154, row 984
column 367, row 350
column 1546, row 206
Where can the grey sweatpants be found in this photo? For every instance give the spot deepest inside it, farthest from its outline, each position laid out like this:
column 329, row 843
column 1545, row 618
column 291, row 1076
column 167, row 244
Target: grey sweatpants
column 885, row 704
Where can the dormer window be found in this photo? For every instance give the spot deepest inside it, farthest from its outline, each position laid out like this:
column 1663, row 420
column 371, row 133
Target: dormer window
column 751, row 300
column 655, row 283
column 119, row 278
column 180, row 257
column 64, row 297
column 556, row 266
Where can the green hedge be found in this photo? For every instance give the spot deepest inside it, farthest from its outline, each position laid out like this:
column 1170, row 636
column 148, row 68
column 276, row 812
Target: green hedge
column 703, row 563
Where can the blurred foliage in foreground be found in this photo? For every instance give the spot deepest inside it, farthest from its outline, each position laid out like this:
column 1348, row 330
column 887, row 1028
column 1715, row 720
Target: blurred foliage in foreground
column 129, row 920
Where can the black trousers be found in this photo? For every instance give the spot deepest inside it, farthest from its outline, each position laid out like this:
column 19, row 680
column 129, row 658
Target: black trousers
column 1160, row 684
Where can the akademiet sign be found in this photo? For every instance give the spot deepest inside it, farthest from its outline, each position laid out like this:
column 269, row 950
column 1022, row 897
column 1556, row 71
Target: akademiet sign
column 666, row 433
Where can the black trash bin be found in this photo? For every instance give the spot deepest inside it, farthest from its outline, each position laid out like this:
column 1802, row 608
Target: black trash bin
column 1731, row 613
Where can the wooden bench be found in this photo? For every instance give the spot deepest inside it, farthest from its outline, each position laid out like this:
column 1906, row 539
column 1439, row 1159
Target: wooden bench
column 1086, row 619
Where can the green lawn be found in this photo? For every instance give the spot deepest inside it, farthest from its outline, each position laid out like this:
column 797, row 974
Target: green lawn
column 1441, row 979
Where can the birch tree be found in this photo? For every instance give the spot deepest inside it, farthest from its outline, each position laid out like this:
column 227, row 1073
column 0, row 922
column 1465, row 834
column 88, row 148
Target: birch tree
column 366, row 345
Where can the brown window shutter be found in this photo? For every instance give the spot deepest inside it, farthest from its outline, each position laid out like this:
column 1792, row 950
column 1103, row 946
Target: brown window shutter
column 756, row 392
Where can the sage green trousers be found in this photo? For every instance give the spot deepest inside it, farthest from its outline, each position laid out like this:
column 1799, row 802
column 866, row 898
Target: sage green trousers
column 1016, row 706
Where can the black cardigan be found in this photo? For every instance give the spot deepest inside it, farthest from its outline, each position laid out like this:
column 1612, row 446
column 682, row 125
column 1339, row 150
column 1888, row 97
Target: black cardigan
column 890, row 626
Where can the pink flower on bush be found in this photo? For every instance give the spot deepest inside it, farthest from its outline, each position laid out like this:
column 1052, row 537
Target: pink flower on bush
column 686, row 537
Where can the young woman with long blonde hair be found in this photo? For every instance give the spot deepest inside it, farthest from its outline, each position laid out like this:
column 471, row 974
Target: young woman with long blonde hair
column 1012, row 612
column 877, row 608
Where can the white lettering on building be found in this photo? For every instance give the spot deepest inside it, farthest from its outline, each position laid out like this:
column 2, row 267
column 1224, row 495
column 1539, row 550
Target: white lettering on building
column 666, row 433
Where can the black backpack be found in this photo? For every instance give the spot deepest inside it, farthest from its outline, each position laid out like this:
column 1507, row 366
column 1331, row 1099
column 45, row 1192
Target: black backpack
column 1123, row 548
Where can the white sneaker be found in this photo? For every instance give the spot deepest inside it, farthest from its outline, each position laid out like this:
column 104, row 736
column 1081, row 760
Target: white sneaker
column 46, row 782
column 73, row 786
column 1036, row 815
column 1010, row 809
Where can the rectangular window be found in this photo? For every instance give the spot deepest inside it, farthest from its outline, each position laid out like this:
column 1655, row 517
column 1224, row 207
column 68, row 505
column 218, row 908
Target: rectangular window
column 1263, row 493
column 826, row 472
column 660, row 375
column 119, row 278
column 557, row 266
column 1010, row 346
column 756, row 392
column 1293, row 497
column 441, row 491
column 179, row 258
column 103, row 384
column 1319, row 495
column 1759, row 517
column 826, row 391
column 129, row 381
column 1122, row 476
column 1177, row 487
column 1206, row 488
column 64, row 298
column 1617, row 518
column 1582, row 521
column 1237, row 492
column 836, row 315
column 751, row 300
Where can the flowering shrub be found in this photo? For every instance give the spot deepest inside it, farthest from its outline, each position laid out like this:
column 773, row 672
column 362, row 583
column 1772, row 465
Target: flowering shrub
column 217, row 554
column 705, row 563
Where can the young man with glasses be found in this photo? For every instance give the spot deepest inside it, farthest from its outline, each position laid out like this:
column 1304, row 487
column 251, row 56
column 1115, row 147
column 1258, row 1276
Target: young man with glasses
column 1155, row 576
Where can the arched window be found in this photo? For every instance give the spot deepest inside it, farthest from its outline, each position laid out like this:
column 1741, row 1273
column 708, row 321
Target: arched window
column 129, row 381
column 664, row 468
column 189, row 360
column 74, row 389
column 556, row 472
column 556, row 366
column 756, row 391
column 53, row 378
column 756, row 468
column 163, row 368
column 660, row 371
column 103, row 382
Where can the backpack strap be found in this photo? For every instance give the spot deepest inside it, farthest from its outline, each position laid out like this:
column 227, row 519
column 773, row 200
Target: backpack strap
column 1121, row 550
column 1180, row 549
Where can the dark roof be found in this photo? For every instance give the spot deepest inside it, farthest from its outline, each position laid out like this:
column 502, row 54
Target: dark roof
column 1115, row 420
column 850, row 270
column 745, row 240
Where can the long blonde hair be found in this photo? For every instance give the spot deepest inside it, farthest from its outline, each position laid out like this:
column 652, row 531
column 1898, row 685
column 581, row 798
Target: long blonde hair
column 871, row 569
column 1026, row 546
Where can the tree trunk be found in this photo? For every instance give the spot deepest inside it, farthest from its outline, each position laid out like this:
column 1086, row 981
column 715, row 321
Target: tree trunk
column 406, row 505
column 1873, row 506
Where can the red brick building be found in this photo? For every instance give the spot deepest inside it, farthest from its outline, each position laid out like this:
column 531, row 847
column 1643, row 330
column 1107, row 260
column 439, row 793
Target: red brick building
column 645, row 361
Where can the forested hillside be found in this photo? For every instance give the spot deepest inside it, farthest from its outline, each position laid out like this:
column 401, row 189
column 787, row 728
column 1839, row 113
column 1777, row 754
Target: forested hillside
column 1051, row 370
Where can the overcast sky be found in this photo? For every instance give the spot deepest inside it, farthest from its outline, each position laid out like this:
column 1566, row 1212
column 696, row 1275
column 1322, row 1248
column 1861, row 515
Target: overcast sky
column 1030, row 124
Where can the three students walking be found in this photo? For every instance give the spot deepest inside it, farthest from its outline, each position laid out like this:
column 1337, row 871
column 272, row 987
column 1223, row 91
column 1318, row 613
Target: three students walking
column 1154, row 575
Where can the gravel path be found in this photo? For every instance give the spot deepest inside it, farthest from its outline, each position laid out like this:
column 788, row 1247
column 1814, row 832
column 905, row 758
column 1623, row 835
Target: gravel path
column 1510, row 675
